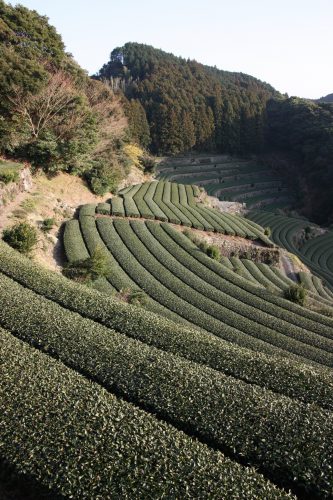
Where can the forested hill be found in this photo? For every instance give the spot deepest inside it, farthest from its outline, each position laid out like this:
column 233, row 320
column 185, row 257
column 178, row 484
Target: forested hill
column 303, row 130
column 326, row 98
column 189, row 105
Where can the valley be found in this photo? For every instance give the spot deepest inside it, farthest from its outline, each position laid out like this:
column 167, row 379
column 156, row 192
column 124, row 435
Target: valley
column 166, row 277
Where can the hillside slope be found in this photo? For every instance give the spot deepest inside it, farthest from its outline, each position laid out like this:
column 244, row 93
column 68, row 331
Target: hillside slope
column 93, row 333
column 189, row 105
column 327, row 98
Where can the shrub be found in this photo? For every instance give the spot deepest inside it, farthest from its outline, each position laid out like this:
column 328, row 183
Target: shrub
column 83, row 442
column 103, row 208
column 237, row 416
column 47, row 225
column 103, row 176
column 296, row 293
column 138, row 297
column 74, row 245
column 284, row 376
column 8, row 175
column 268, row 232
column 213, row 252
column 22, row 237
column 89, row 269
column 202, row 245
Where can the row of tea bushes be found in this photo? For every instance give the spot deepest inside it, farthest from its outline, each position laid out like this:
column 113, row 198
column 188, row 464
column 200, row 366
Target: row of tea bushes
column 231, row 414
column 75, row 438
column 281, row 375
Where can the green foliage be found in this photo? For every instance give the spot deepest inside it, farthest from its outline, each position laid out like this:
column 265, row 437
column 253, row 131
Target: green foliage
column 97, row 264
column 137, row 297
column 176, row 203
column 74, row 246
column 214, row 109
column 9, row 172
column 90, row 269
column 64, row 418
column 103, row 208
column 239, row 288
column 47, row 224
column 268, row 231
column 213, row 252
column 296, row 293
column 104, row 176
column 138, row 124
column 198, row 302
column 51, row 112
column 176, row 389
column 21, row 236
column 294, row 379
column 285, row 233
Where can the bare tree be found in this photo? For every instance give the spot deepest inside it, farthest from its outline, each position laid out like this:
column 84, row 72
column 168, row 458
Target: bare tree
column 59, row 106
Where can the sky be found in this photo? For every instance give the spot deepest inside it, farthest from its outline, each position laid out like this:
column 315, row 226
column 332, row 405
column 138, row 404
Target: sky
column 287, row 43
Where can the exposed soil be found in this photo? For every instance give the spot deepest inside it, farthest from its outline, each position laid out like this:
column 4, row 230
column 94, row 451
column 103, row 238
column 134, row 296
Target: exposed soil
column 56, row 198
column 288, row 267
column 136, row 176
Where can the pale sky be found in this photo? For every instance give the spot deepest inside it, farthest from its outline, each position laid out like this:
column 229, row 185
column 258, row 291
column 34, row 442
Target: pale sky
column 287, row 43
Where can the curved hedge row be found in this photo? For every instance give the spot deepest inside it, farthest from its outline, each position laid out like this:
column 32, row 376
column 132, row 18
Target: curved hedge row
column 131, row 210
column 170, row 298
column 117, row 278
column 274, row 276
column 244, row 290
column 233, row 311
column 158, row 199
column 283, row 231
column 117, row 206
column 155, row 209
column 230, row 180
column 242, row 270
column 88, row 209
column 171, row 199
column 82, row 442
column 139, row 199
column 176, row 203
column 103, row 208
column 73, row 242
column 232, row 415
column 320, row 251
column 258, row 275
column 278, row 374
column 205, row 312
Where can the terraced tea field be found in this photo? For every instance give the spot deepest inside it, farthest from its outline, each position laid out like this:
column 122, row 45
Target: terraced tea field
column 316, row 253
column 264, row 194
column 154, row 395
column 231, row 180
column 178, row 204
column 185, row 284
column 176, row 398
